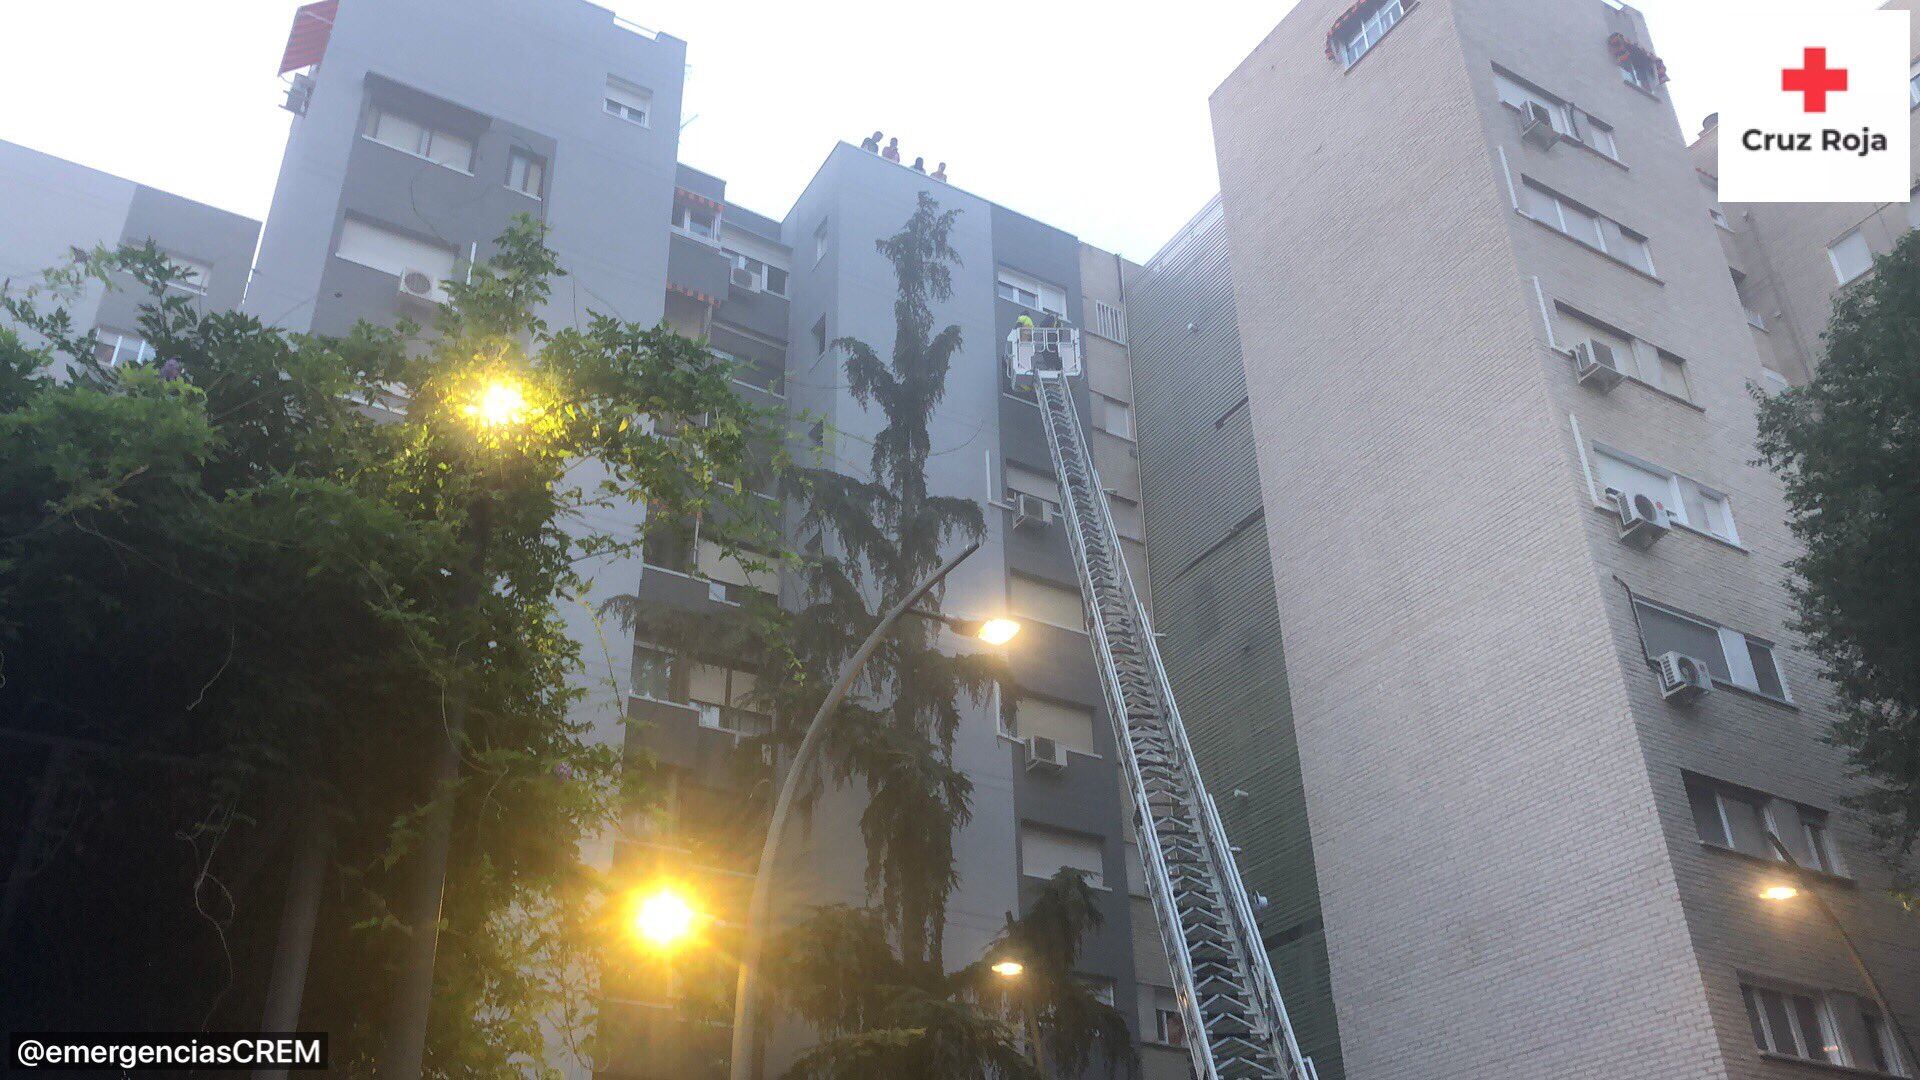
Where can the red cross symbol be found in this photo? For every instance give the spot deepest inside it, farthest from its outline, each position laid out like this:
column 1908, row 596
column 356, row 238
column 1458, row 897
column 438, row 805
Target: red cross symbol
column 1815, row 80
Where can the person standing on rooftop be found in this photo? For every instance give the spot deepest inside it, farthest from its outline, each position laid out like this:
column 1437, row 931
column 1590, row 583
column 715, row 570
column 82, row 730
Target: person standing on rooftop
column 940, row 173
column 919, row 164
column 871, row 143
column 892, row 152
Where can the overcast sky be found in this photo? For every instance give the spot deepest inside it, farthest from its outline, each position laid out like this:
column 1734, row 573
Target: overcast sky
column 1091, row 116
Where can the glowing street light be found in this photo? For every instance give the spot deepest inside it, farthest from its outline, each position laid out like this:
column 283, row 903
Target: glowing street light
column 1779, row 892
column 663, row 918
column 992, row 631
column 1009, row 969
column 500, row 402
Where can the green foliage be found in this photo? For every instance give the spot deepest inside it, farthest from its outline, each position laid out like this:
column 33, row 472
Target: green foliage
column 244, row 578
column 1847, row 447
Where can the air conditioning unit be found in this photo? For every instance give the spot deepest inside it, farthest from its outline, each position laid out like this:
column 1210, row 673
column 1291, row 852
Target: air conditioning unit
column 718, row 593
column 1045, row 753
column 709, row 714
column 1597, row 365
column 1682, row 677
column 1536, row 126
column 745, row 280
column 419, row 285
column 299, row 95
column 1642, row 520
column 1031, row 510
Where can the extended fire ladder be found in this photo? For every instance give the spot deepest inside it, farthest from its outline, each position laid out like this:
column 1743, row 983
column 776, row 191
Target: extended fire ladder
column 1237, row 1025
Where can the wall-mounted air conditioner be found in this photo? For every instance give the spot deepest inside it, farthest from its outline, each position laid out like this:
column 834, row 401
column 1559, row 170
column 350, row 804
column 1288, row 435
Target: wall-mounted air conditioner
column 1597, row 365
column 1642, row 519
column 1536, row 126
column 1682, row 677
column 1045, row 753
column 1031, row 510
column 744, row 279
column 419, row 285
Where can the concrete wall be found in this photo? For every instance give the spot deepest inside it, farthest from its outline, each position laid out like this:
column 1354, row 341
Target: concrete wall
column 1213, row 576
column 1456, row 691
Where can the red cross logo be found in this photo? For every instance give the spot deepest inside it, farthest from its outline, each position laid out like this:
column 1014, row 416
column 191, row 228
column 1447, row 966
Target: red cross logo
column 1815, row 80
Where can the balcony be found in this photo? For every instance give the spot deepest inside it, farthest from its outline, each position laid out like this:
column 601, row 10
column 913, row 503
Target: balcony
column 697, row 268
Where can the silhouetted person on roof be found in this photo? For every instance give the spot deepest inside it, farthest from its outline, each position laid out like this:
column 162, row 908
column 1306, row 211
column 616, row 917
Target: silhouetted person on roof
column 940, row 173
column 919, row 164
column 871, row 143
column 892, row 152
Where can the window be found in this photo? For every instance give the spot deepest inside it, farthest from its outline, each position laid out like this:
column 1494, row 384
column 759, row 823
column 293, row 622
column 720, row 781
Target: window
column 653, row 670
column 1792, row 1023
column 1561, row 214
column 1113, row 416
column 627, row 101
column 820, row 336
column 1038, row 600
column 1579, row 126
column 769, row 277
column 1169, row 1026
column 1733, row 658
column 820, row 241
column 697, row 220
column 1883, row 1050
column 1730, row 816
column 413, row 137
column 1044, row 852
column 1687, row 501
column 1850, row 257
column 1069, row 725
column 1110, row 322
column 526, row 173
column 1638, row 68
column 712, row 563
column 1639, row 359
column 1364, row 30
column 393, row 253
column 1029, row 292
column 193, row 275
column 1025, row 481
column 118, row 347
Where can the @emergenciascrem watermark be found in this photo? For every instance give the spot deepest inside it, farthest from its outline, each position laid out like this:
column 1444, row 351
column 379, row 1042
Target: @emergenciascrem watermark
column 69, row 1051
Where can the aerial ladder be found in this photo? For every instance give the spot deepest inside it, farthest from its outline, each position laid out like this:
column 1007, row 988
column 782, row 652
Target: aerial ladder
column 1237, row 1027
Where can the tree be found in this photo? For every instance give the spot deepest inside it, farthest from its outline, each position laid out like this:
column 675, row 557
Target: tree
column 229, row 588
column 872, row 980
column 1847, row 448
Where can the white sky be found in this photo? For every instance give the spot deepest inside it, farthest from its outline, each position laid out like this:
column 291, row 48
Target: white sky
column 1088, row 115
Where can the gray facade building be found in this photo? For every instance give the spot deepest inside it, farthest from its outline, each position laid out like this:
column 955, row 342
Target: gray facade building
column 58, row 205
column 788, row 289
column 1533, row 858
column 1213, row 583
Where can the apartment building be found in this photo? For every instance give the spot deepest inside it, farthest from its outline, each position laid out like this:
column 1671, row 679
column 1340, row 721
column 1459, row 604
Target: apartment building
column 405, row 162
column 778, row 293
column 1535, row 854
column 1791, row 260
column 58, row 205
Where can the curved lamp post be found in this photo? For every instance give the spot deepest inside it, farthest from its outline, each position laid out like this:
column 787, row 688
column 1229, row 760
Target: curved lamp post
column 745, row 1012
column 1804, row 884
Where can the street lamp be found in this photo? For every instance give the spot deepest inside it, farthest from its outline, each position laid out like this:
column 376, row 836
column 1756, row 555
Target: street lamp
column 1781, row 892
column 663, row 917
column 745, row 1014
column 494, row 404
column 994, row 631
column 1008, row 969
